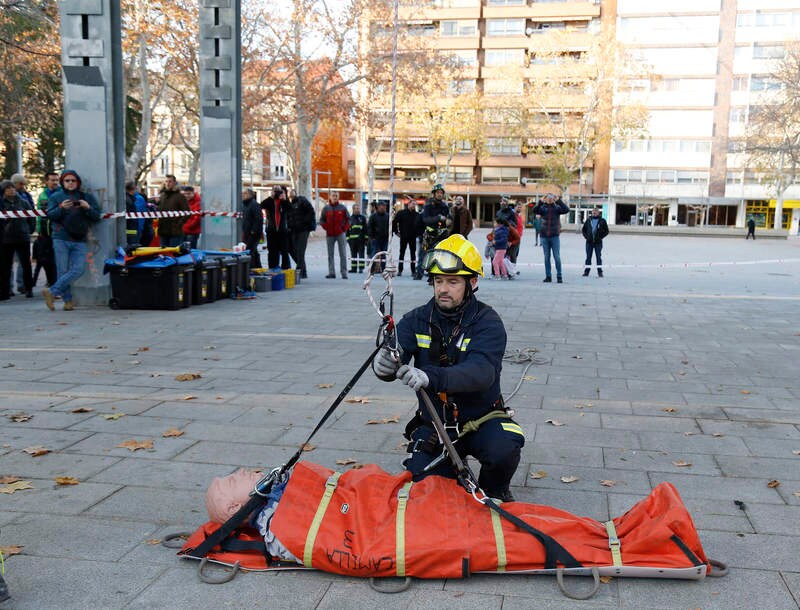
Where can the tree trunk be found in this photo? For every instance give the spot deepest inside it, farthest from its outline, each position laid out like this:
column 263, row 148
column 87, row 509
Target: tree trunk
column 143, row 137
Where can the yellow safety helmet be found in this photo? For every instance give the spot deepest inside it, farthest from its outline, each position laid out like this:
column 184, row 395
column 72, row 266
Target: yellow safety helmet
column 455, row 255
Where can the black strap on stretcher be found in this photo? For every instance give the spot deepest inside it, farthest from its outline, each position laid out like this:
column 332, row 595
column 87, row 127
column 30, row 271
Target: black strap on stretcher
column 554, row 553
column 258, row 496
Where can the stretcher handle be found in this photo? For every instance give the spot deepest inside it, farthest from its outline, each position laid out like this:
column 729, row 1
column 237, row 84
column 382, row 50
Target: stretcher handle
column 718, row 569
column 578, row 596
column 218, row 580
column 175, row 540
column 403, row 586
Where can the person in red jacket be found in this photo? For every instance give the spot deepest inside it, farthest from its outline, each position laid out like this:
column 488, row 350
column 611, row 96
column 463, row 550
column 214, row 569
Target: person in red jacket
column 193, row 226
column 336, row 221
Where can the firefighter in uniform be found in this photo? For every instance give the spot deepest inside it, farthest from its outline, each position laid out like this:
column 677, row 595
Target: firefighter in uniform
column 456, row 343
column 357, row 239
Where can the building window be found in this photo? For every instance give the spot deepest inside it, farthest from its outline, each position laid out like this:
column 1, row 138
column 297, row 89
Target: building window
column 503, row 146
column 460, row 86
column 505, row 27
column 764, row 83
column 738, row 115
column 421, row 28
column 505, row 2
column 768, row 51
column 452, row 28
column 462, row 175
column 465, row 59
column 739, row 83
column 500, row 175
column 736, row 146
column 689, row 177
column 504, row 57
column 502, row 86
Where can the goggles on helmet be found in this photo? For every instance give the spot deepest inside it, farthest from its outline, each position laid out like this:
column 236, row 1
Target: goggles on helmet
column 445, row 262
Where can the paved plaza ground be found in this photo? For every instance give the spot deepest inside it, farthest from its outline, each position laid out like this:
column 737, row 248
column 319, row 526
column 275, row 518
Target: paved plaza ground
column 668, row 359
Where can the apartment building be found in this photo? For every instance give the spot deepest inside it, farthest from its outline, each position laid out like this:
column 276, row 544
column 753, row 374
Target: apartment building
column 710, row 62
column 486, row 37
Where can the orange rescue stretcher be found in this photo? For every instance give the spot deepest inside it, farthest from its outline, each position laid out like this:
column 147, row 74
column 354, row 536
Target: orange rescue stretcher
column 368, row 523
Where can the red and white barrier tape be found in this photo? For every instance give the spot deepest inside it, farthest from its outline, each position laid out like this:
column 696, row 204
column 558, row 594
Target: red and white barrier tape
column 126, row 215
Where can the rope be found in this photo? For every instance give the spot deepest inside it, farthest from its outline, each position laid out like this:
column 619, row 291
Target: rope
column 520, row 356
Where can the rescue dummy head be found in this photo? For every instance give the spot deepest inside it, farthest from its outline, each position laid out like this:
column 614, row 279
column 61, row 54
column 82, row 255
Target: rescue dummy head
column 228, row 494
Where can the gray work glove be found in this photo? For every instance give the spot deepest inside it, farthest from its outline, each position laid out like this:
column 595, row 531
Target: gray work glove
column 413, row 377
column 386, row 364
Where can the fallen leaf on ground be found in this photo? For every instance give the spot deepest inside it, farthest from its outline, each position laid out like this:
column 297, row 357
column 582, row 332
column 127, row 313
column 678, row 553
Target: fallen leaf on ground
column 155, row 374
column 9, row 478
column 187, row 376
column 19, row 417
column 796, row 452
column 324, row 386
column 688, row 433
column 539, row 474
column 583, row 405
column 569, row 479
column 796, row 494
column 189, row 397
column 386, row 420
column 681, row 373
column 16, row 486
column 144, row 349
column 10, row 551
column 112, row 416
column 682, row 464
column 717, row 434
column 554, row 422
column 67, row 480
column 345, row 461
column 773, row 484
column 606, row 579
column 36, row 450
column 578, row 357
column 153, row 541
column 608, row 483
column 684, row 362
column 309, row 447
column 172, row 432
column 359, row 400
column 529, row 378
column 82, row 410
column 745, row 391
column 135, row 445
column 669, row 410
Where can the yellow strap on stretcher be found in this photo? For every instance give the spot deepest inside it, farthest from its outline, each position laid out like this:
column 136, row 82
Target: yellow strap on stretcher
column 400, row 527
column 614, row 544
column 499, row 541
column 330, row 487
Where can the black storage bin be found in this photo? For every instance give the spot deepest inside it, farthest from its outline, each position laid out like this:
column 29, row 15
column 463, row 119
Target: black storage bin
column 228, row 274
column 212, row 267
column 243, row 266
column 200, row 284
column 150, row 287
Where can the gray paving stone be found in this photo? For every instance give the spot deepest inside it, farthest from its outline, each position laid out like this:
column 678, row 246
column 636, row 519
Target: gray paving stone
column 592, row 437
column 752, row 551
column 777, row 519
column 792, row 580
column 693, row 443
column 541, row 454
column 52, row 465
column 38, row 583
column 720, row 488
column 192, row 409
column 539, row 586
column 47, row 535
column 18, row 438
column 750, row 429
column 153, row 506
column 708, row 411
column 129, row 424
column 158, row 474
column 592, row 504
column 591, row 406
column 641, row 422
column 236, row 454
column 626, row 481
column 768, row 468
column 61, row 500
column 177, row 589
column 659, row 461
column 131, row 406
column 740, row 589
column 53, row 420
column 26, row 402
column 106, row 444
column 774, row 416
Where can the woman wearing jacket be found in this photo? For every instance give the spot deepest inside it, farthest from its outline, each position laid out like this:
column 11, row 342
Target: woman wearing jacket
column 16, row 239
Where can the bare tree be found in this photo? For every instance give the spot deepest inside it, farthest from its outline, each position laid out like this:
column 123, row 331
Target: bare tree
column 773, row 131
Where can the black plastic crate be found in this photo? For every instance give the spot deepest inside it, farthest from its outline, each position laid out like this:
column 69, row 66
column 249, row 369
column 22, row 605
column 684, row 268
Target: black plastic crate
column 243, row 268
column 228, row 274
column 201, row 286
column 151, row 287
